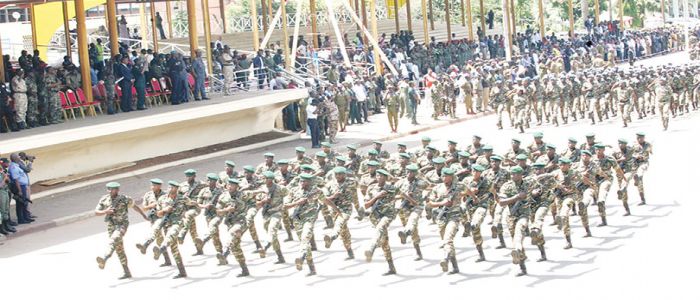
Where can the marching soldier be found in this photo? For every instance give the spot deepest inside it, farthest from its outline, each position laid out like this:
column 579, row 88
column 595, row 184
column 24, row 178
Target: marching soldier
column 515, row 194
column 206, row 200
column 642, row 152
column 341, row 193
column 172, row 207
column 115, row 208
column 190, row 189
column 305, row 201
column 411, row 189
column 232, row 208
column 446, row 199
column 272, row 206
column 150, row 204
column 380, row 198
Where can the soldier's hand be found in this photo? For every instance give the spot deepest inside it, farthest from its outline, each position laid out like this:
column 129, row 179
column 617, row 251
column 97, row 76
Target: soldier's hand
column 109, row 211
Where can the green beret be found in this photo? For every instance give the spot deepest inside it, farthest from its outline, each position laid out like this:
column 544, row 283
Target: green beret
column 174, row 183
column 464, row 154
column 517, row 140
column 156, row 181
column 373, row 163
column 377, row 142
column 425, row 139
column 477, row 136
column 306, row 167
column 306, row 176
column 383, row 172
column 521, row 156
column 622, row 141
column 326, row 144
column 564, row 161
column 641, row 134
column 340, row 170
column 430, row 147
column 341, row 158
column 190, row 172
column 321, row 154
column 282, row 162
column 372, row 152
column 213, row 176
column 405, row 155
column 599, row 146
column 590, row 135
column 351, row 147
column 478, row 167
column 234, row 180
column 269, row 154
column 268, row 175
column 452, row 142
column 496, row 157
column 539, row 164
column 249, row 168
column 401, row 145
column 448, row 171
column 113, row 185
column 230, row 163
column 586, row 152
column 551, row 146
column 516, row 170
column 573, row 140
column 300, row 149
column 412, row 168
column 487, row 148
column 538, row 134
column 439, row 160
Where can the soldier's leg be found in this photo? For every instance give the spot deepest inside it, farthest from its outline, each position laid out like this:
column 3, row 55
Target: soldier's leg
column 305, row 246
column 536, row 226
column 346, row 238
column 622, row 191
column 156, row 233
column 380, row 229
column 115, row 236
column 250, row 223
column 384, row 241
column 238, row 252
column 497, row 226
column 469, row 105
column 518, row 253
column 566, row 204
column 287, row 223
column 273, row 226
column 448, row 244
column 477, row 219
column 341, row 221
column 603, row 189
column 583, row 204
column 639, row 181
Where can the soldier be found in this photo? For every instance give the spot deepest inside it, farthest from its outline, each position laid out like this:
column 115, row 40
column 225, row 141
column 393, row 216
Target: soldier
column 498, row 102
column 642, row 151
column 381, row 154
column 589, row 144
column 520, row 107
column 228, row 63
column 607, row 165
column 284, row 177
column 624, row 96
column 341, row 194
column 425, row 142
column 171, row 207
column 436, row 98
column 73, row 78
column 587, row 169
column 446, row 198
column 52, row 86
column 305, row 202
column 475, row 149
column 566, row 195
column 412, row 190
column 467, row 89
column 462, row 167
column 300, row 159
column 538, row 147
column 572, row 153
column 341, row 98
column 151, row 205
column 115, row 208
column 369, row 177
column 353, row 160
column 380, row 198
column 232, row 208
column 498, row 176
column 625, row 157
column 515, row 150
column 515, row 194
column 413, row 102
column 32, row 100
column 272, row 206
column 331, row 154
column 19, row 87
column 664, row 97
column 480, row 195
column 268, row 165
column 190, row 188
column 207, row 199
column 542, row 194
column 391, row 100
column 250, row 182
column 227, row 173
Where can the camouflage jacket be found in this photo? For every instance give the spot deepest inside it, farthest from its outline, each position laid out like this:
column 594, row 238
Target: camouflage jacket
column 120, row 204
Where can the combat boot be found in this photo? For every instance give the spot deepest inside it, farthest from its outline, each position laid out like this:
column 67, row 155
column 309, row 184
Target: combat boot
column 181, row 271
column 258, row 247
column 299, row 261
column 360, row 214
column 455, row 267
column 312, row 268
column 290, row 237
column 313, row 245
column 467, row 230
column 101, row 262
column 244, row 270
column 644, row 201
column 543, row 254
column 8, row 227
column 157, row 251
column 3, row 231
column 501, row 241
column 263, row 250
column 568, row 242
column 198, row 244
column 560, row 223
column 482, row 257
column 604, row 222
column 328, row 240
column 222, row 258
column 142, row 247
column 494, row 232
column 280, row 257
column 588, row 232
column 167, row 262
column 419, row 254
column 402, row 237
column 535, row 236
column 581, row 208
column 127, row 273
column 627, row 209
column 392, row 269
column 516, row 256
column 368, row 255
column 351, row 255
column 523, row 270
column 444, row 264
column 329, row 222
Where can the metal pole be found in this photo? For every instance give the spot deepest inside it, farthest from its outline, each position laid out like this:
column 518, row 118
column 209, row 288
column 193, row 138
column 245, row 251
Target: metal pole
column 144, row 26
column 169, row 16
column 409, row 20
column 621, row 13
column 222, row 11
column 33, row 23
column 295, row 35
column 430, row 12
column 66, row 29
column 363, row 6
column 112, row 27
column 469, row 19
column 192, row 26
column 512, row 17
column 378, row 67
column 264, row 15
column 571, row 18
column 424, row 11
column 207, row 34
column 154, row 30
column 83, row 52
column 396, row 15
column 338, row 35
column 483, row 16
column 314, row 24
column 464, row 19
column 2, row 64
column 663, row 14
column 506, row 29
column 254, row 23
column 541, row 16
column 447, row 20
column 285, row 40
column 357, row 11
column 373, row 41
column 597, row 11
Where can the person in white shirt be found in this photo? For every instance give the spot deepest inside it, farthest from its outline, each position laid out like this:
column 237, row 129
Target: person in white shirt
column 312, row 121
column 361, row 96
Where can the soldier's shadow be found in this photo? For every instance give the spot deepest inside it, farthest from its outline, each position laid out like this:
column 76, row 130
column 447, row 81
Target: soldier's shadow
column 545, row 278
column 324, row 278
column 405, row 278
column 467, row 276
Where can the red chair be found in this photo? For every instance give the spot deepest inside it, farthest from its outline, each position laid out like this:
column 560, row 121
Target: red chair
column 82, row 100
column 166, row 85
column 118, row 94
column 156, row 92
column 74, row 103
column 190, row 81
column 65, row 107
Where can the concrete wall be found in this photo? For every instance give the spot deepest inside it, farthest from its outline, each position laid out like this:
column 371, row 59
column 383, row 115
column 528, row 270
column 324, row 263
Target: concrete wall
column 92, row 148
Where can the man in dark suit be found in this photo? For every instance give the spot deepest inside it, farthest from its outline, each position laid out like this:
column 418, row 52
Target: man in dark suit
column 259, row 67
column 127, row 80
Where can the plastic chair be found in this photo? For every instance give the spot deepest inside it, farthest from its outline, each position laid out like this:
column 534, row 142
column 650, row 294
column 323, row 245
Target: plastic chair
column 74, row 103
column 65, row 107
column 157, row 92
column 82, row 100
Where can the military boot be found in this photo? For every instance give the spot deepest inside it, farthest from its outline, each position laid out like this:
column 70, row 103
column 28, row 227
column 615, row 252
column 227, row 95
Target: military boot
column 535, row 236
column 199, row 245
column 588, row 232
column 101, row 262
column 455, row 267
column 494, row 232
column 581, row 208
column 127, row 273
column 181, row 271
column 482, row 257
column 444, row 264
column 143, row 247
column 258, row 247
column 222, row 258
column 290, row 237
column 280, row 257
column 501, row 241
column 568, row 242
column 392, row 269
column 627, row 209
column 558, row 222
column 543, row 254
column 329, row 222
column 263, row 250
column 299, row 262
column 167, row 262
column 157, row 251
column 603, row 222
column 523, row 270
column 419, row 254
column 467, row 230
column 244, row 270
column 3, row 231
column 644, row 201
column 360, row 214
column 329, row 240
column 402, row 237
column 351, row 255
column 369, row 254
column 312, row 268
column 313, row 245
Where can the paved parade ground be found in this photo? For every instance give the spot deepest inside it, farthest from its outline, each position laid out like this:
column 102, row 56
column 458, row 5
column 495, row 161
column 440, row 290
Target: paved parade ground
column 646, row 255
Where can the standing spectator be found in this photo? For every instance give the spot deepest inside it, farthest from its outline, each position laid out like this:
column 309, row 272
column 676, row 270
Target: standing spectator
column 125, row 82
column 7, row 224
column 489, row 18
column 139, row 83
column 6, row 110
column 109, row 81
column 123, row 29
column 361, row 95
column 19, row 86
column 159, row 25
column 200, row 74
column 259, row 67
column 311, row 120
column 20, row 185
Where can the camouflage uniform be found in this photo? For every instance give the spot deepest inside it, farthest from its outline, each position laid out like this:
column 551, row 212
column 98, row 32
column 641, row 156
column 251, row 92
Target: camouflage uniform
column 567, row 196
column 272, row 216
column 190, row 191
column 235, row 222
column 410, row 214
column 52, row 86
column 172, row 224
column 641, row 166
column 604, row 179
column 497, row 179
column 32, row 102
column 304, row 217
column 117, row 224
column 627, row 162
column 347, row 196
column 209, row 196
column 436, row 97
column 449, row 218
column 519, row 216
column 383, row 212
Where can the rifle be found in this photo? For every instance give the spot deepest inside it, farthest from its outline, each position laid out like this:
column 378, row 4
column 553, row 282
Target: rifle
column 441, row 212
column 405, row 203
column 267, row 205
column 380, row 200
